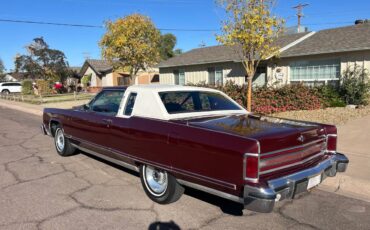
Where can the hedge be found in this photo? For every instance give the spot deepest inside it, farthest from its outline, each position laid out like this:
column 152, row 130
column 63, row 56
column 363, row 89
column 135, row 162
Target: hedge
column 267, row 100
column 27, row 87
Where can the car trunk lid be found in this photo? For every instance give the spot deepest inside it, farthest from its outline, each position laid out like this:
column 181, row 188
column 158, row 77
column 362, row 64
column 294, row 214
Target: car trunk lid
column 284, row 144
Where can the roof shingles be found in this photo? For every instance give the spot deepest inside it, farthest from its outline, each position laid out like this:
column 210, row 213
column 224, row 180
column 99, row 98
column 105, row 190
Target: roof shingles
column 220, row 53
column 343, row 39
column 100, row 65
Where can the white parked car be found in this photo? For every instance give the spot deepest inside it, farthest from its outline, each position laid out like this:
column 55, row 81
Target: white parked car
column 10, row 87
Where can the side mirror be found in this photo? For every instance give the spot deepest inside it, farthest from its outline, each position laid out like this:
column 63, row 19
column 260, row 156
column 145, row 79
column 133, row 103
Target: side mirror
column 86, row 107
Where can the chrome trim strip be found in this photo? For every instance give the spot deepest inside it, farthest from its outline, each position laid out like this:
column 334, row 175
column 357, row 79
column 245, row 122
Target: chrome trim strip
column 294, row 164
column 246, row 155
column 124, row 164
column 295, row 147
column 321, row 145
column 331, row 135
column 155, row 164
column 212, row 191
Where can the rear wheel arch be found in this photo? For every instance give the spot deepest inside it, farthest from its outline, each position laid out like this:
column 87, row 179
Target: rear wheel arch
column 53, row 124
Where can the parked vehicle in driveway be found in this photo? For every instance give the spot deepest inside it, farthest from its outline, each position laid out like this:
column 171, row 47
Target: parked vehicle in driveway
column 10, row 87
column 178, row 136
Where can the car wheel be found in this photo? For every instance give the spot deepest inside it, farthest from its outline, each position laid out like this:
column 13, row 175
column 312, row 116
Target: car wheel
column 5, row 91
column 62, row 144
column 160, row 186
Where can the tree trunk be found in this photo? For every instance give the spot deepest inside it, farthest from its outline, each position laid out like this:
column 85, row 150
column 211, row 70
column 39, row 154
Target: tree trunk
column 249, row 94
column 250, row 69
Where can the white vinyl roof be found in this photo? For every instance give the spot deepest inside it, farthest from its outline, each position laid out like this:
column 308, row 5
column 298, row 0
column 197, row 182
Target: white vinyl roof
column 149, row 104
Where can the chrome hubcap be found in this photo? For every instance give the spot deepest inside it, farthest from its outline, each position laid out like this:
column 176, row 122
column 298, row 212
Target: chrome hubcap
column 59, row 140
column 156, row 180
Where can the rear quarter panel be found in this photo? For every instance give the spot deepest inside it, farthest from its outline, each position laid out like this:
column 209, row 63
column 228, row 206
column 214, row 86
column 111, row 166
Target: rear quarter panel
column 197, row 155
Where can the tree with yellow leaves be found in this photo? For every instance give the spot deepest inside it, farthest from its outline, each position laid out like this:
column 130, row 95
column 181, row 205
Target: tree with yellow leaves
column 251, row 30
column 131, row 44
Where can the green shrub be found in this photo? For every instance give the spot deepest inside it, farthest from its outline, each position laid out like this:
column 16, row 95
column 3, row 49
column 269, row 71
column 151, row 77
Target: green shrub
column 86, row 79
column 266, row 100
column 27, row 87
column 355, row 87
column 329, row 96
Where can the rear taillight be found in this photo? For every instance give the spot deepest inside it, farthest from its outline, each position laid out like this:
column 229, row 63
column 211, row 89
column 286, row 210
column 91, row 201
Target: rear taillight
column 251, row 167
column 331, row 142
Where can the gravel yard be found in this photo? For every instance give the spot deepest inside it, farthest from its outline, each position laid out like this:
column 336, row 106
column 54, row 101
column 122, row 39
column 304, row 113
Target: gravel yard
column 336, row 116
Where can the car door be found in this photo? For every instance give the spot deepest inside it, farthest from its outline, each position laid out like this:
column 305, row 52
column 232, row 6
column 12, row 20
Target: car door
column 91, row 125
column 121, row 135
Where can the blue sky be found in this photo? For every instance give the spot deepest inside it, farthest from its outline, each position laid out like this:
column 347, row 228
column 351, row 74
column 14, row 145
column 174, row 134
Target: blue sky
column 166, row 14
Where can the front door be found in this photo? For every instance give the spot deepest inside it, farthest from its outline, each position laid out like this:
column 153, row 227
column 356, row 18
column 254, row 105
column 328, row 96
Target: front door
column 92, row 126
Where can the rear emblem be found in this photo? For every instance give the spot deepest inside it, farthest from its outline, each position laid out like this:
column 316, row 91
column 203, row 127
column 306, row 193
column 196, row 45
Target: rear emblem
column 301, row 138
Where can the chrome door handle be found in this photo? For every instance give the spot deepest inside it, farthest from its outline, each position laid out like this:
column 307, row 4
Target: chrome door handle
column 107, row 121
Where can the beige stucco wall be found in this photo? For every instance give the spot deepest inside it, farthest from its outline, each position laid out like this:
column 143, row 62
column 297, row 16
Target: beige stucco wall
column 95, row 80
column 199, row 73
column 107, row 80
column 235, row 71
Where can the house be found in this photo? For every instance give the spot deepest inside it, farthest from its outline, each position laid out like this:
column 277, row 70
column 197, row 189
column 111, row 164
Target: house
column 102, row 74
column 304, row 57
column 15, row 76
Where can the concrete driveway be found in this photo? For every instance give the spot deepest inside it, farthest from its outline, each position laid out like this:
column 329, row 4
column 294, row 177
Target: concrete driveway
column 40, row 190
column 354, row 141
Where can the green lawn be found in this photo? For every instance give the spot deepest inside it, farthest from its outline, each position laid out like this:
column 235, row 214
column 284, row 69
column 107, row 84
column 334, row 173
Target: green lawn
column 34, row 99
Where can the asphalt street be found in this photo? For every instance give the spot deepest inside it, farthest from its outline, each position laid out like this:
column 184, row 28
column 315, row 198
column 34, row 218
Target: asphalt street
column 40, row 190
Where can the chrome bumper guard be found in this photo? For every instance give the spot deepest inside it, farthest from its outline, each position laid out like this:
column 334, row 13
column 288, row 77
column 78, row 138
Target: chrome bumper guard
column 286, row 187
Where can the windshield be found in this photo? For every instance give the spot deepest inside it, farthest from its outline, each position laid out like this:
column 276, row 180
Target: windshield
column 195, row 101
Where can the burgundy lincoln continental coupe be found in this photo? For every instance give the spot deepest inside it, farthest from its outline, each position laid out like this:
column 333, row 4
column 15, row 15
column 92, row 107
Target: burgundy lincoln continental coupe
column 179, row 136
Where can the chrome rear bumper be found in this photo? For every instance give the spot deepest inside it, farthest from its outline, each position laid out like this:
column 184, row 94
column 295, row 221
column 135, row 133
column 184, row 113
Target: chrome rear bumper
column 286, row 187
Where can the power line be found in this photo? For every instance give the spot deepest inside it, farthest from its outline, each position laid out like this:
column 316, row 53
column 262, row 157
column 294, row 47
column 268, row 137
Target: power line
column 49, row 23
column 96, row 26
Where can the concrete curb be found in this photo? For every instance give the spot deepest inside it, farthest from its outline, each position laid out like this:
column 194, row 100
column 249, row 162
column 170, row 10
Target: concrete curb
column 21, row 107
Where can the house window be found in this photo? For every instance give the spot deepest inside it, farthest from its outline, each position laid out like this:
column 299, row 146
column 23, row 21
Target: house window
column 215, row 76
column 315, row 71
column 179, row 77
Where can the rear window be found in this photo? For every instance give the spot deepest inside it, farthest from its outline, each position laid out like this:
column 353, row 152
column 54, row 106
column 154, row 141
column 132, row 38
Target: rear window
column 195, row 101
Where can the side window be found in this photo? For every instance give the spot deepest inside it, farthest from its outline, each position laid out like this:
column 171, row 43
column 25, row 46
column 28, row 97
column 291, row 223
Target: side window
column 107, row 102
column 130, row 104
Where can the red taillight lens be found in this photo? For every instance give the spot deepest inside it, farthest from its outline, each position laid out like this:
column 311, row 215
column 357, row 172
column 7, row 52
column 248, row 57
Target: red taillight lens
column 331, row 143
column 251, row 167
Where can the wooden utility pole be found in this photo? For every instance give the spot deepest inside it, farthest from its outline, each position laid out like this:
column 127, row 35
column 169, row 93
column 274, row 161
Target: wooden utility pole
column 299, row 9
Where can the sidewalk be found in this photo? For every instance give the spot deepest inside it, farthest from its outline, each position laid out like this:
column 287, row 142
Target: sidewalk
column 37, row 109
column 353, row 140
